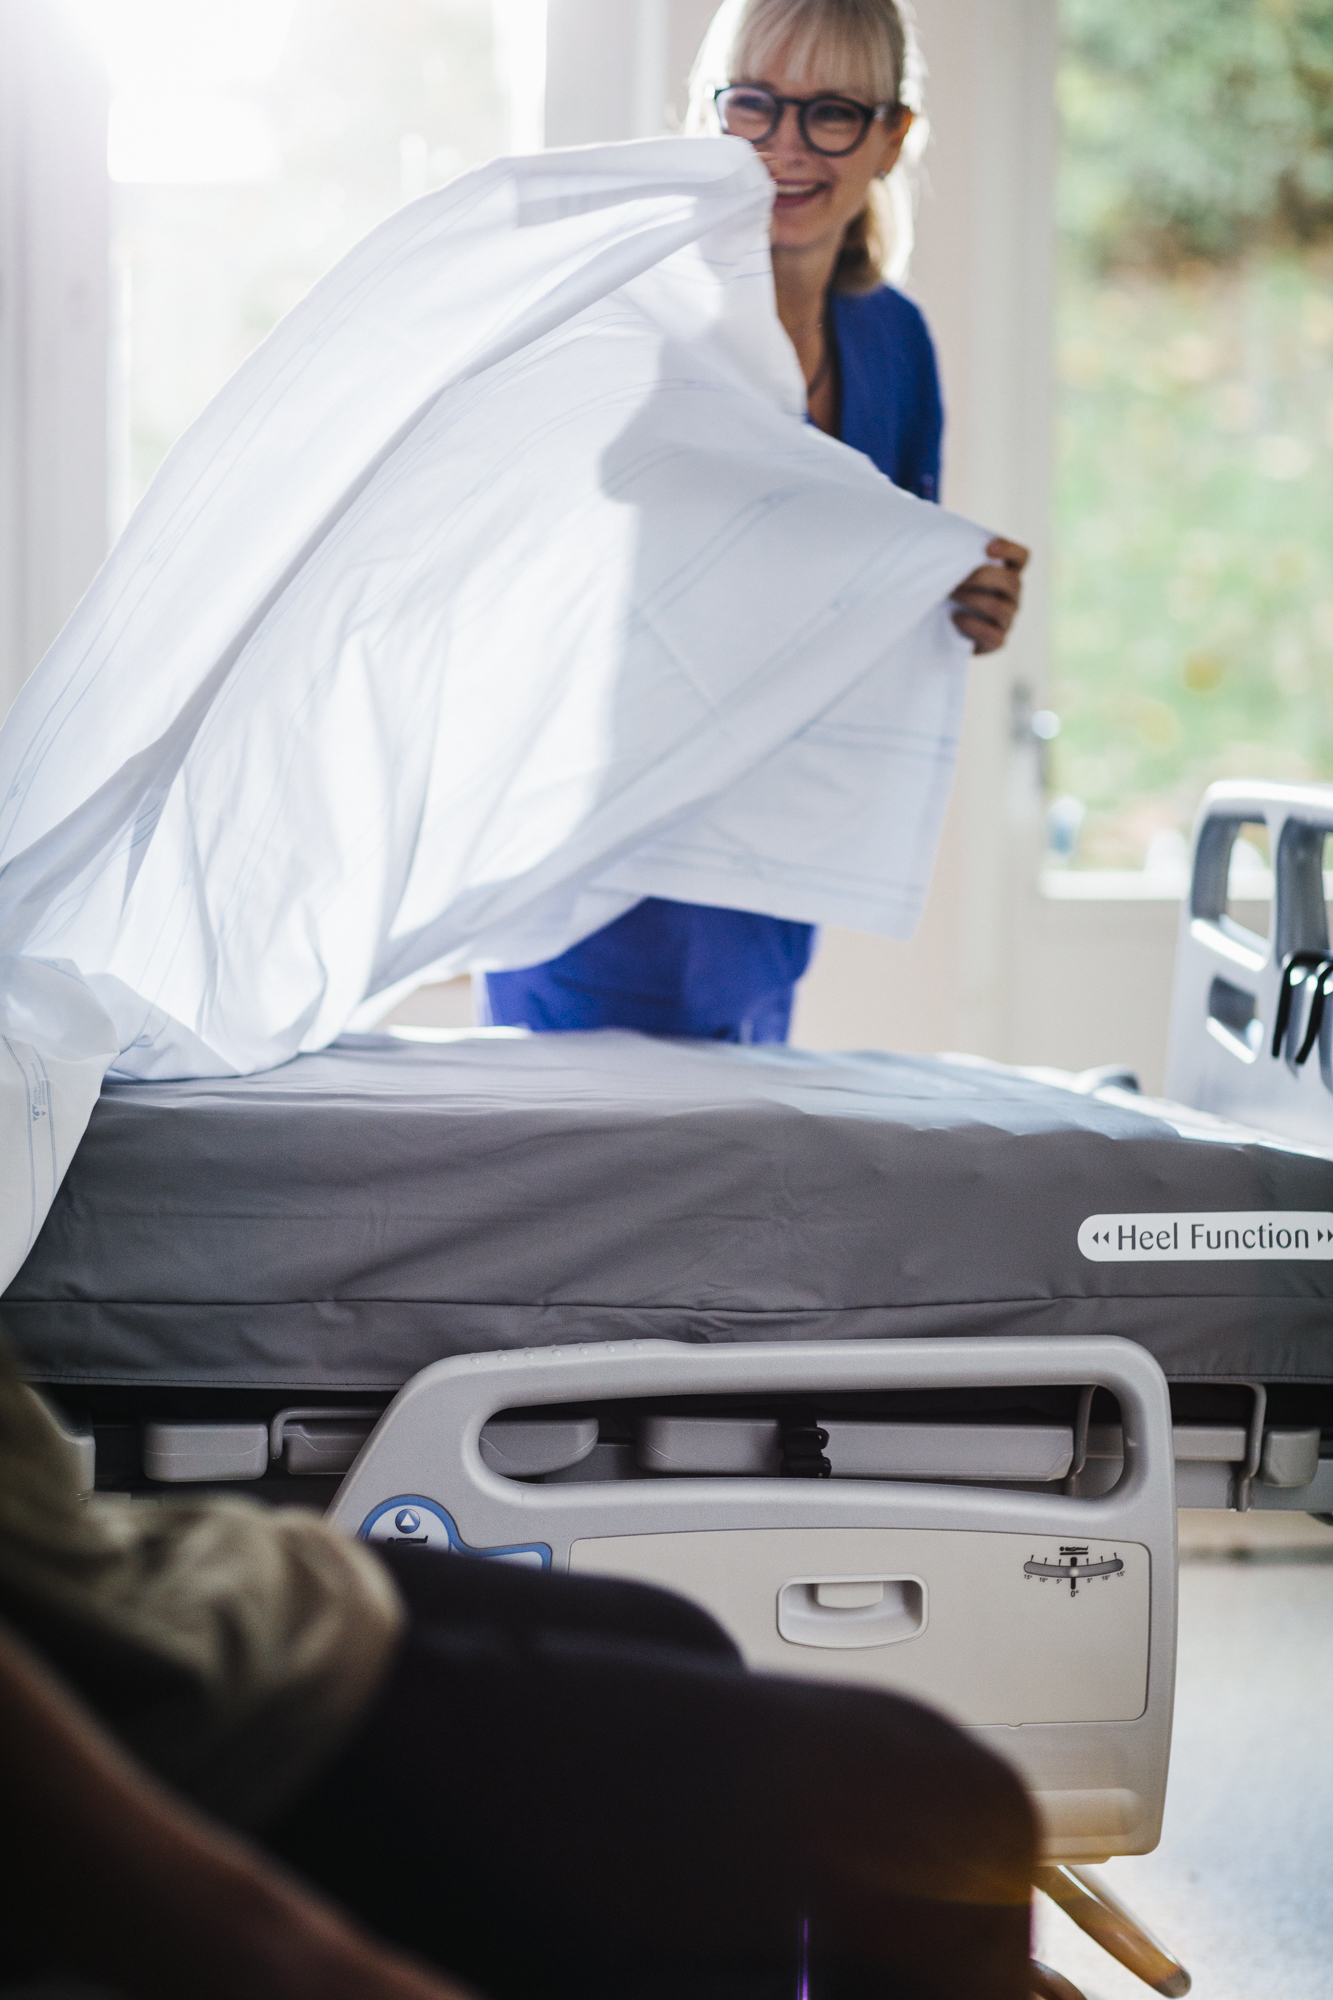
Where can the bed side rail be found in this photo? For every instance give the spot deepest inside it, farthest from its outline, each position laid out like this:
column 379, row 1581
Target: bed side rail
column 1252, row 1015
column 1044, row 1619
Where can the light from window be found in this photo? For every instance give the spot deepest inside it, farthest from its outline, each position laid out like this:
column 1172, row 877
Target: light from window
column 251, row 143
column 1193, row 620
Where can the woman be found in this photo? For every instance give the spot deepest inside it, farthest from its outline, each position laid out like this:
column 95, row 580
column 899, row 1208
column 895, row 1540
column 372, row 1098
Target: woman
column 817, row 87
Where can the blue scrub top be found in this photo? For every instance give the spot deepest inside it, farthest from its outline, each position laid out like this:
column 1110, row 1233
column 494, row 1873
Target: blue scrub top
column 688, row 968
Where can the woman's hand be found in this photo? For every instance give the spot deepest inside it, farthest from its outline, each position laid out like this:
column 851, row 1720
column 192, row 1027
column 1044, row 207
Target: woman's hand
column 988, row 600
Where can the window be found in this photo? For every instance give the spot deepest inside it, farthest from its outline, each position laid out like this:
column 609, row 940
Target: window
column 251, row 143
column 1193, row 596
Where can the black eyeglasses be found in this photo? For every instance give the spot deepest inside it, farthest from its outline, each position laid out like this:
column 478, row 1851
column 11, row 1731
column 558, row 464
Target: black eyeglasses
column 828, row 125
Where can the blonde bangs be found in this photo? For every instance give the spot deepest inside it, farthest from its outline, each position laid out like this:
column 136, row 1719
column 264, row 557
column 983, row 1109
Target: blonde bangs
column 847, row 45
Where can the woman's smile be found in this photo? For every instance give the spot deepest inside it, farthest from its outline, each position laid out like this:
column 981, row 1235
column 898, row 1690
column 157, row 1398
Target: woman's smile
column 797, row 194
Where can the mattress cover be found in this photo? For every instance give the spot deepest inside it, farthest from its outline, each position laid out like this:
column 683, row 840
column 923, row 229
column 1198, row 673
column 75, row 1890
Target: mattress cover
column 347, row 1218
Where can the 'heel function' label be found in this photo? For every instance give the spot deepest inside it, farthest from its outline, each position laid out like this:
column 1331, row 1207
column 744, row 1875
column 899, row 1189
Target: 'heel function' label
column 1271, row 1235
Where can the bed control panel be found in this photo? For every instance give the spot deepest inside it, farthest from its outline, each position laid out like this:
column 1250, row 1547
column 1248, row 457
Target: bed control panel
column 913, row 1548
column 997, row 1629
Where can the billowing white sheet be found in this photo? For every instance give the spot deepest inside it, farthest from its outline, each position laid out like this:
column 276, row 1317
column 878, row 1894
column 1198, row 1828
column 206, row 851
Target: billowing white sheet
column 502, row 586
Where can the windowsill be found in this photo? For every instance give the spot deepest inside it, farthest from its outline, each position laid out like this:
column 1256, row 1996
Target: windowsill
column 1111, row 885
column 1138, row 885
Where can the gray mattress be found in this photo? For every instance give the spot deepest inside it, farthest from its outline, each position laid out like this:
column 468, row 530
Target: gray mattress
column 346, row 1219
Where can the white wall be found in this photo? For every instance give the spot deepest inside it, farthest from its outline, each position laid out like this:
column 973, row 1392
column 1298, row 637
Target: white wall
column 617, row 69
column 53, row 331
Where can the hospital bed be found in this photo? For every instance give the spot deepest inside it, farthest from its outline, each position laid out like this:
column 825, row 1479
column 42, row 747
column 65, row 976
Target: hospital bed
column 901, row 1366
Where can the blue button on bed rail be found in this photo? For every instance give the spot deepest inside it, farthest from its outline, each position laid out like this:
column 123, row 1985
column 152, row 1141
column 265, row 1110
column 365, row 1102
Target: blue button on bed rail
column 412, row 1519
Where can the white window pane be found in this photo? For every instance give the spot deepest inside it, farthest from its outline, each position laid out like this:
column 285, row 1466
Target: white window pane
column 1194, row 512
column 252, row 142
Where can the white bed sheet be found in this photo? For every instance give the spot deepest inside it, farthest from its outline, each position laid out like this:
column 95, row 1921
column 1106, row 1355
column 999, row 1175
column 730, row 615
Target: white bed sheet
column 501, row 587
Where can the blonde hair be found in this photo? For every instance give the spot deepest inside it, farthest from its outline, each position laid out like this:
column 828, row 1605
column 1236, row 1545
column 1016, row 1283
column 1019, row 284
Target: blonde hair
column 861, row 44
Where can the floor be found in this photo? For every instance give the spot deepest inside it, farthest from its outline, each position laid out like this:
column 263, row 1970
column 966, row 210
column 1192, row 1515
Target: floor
column 1241, row 1887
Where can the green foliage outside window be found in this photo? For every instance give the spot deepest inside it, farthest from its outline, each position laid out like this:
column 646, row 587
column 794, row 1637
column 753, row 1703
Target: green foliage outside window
column 1194, row 584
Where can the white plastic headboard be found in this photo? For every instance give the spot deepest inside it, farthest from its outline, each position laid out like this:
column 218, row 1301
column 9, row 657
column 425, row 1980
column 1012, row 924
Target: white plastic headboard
column 1252, row 1017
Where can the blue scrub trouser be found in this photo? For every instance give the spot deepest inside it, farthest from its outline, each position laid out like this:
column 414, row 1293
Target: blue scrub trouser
column 666, row 969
